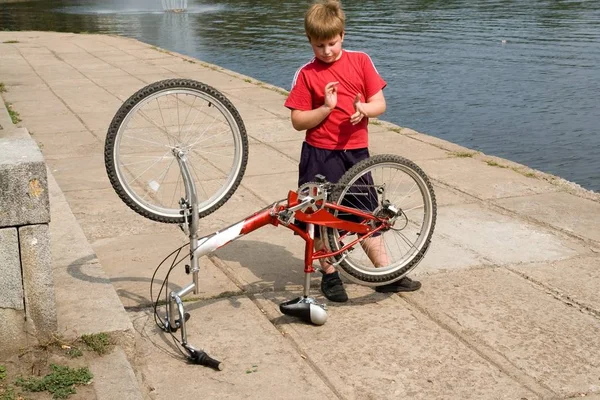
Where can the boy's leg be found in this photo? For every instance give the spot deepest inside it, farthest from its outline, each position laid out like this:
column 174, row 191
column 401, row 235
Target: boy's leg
column 331, row 283
column 374, row 247
column 328, row 163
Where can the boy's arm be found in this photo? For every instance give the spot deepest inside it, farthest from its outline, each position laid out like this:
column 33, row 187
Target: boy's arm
column 307, row 119
column 374, row 107
column 303, row 120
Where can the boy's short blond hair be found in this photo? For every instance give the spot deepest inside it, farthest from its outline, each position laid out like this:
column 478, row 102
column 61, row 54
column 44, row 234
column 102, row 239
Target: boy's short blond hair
column 324, row 20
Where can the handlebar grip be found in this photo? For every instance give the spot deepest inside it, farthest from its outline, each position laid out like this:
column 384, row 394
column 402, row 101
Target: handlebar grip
column 204, row 359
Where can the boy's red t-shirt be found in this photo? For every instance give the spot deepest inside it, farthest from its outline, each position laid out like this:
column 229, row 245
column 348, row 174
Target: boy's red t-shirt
column 355, row 73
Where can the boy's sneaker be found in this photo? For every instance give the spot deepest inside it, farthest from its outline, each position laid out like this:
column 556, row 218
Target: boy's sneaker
column 333, row 288
column 403, row 285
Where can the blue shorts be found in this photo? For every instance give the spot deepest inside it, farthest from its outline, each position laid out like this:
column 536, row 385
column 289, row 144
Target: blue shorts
column 333, row 164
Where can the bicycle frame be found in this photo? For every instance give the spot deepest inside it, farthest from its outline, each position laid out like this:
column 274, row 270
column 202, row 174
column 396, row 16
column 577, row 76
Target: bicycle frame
column 283, row 212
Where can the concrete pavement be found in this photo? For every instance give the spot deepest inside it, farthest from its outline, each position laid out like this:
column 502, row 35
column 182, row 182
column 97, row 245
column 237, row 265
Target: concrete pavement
column 508, row 308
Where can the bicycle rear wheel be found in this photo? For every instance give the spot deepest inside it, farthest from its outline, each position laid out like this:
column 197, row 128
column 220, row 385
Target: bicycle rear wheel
column 176, row 115
column 394, row 190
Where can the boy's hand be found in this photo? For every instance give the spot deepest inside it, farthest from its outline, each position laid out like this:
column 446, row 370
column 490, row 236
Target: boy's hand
column 331, row 95
column 360, row 111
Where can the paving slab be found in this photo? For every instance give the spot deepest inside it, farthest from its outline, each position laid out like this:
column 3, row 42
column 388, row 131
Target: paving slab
column 218, row 78
column 80, row 173
column 23, row 93
column 483, row 181
column 445, row 255
column 132, row 260
column 265, row 161
column 271, row 258
column 502, row 239
column 270, row 100
column 291, row 148
column 565, row 211
column 575, row 280
column 446, row 196
column 102, row 214
column 379, row 347
column 49, row 107
column 511, row 319
column 259, row 361
column 59, row 123
column 264, row 188
column 269, row 129
column 69, row 144
column 388, row 142
column 98, row 122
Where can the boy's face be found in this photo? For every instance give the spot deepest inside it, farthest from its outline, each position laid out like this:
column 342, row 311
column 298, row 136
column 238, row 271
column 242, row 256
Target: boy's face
column 329, row 50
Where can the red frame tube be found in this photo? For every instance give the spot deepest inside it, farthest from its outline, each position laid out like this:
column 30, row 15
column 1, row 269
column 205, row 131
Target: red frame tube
column 321, row 217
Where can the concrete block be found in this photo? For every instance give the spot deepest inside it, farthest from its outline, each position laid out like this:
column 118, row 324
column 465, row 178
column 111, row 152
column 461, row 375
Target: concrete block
column 260, row 363
column 11, row 331
column 520, row 327
column 23, row 184
column 11, row 283
column 377, row 346
column 113, row 374
column 37, row 278
column 478, row 179
column 570, row 213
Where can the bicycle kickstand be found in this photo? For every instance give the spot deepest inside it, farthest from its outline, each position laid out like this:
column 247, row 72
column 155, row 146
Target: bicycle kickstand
column 306, row 308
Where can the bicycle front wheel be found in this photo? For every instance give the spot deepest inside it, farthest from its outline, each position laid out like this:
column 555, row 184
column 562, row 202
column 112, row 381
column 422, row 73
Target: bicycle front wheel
column 399, row 195
column 169, row 117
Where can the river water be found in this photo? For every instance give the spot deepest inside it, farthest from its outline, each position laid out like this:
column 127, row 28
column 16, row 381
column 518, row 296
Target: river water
column 519, row 79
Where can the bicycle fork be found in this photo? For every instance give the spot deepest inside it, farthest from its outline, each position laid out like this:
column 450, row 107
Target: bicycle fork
column 174, row 303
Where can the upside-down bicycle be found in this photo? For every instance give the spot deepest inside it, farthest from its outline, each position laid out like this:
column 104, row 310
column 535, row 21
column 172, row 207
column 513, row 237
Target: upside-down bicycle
column 177, row 150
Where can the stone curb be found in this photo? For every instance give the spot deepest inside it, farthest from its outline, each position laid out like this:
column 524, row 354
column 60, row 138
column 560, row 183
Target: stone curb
column 88, row 303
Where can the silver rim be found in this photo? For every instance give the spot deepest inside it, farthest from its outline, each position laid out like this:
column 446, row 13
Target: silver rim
column 407, row 191
column 184, row 119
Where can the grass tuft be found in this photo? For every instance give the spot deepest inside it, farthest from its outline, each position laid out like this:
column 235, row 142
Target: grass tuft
column 462, row 154
column 8, row 394
column 98, row 342
column 2, row 87
column 14, row 116
column 60, row 382
column 495, row 164
column 11, row 41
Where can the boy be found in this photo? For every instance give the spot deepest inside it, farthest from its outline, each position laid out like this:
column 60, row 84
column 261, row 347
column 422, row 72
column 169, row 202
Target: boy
column 332, row 98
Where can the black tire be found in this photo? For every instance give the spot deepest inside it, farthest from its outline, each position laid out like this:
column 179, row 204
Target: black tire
column 167, row 115
column 365, row 186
